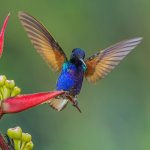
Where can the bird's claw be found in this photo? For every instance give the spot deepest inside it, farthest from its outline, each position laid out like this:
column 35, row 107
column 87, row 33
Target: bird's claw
column 74, row 102
column 78, row 108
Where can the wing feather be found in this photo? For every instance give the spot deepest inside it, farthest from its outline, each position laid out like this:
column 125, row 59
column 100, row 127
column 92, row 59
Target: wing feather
column 43, row 42
column 101, row 63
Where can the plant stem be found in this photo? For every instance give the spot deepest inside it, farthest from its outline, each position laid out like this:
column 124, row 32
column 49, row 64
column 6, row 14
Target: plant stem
column 3, row 144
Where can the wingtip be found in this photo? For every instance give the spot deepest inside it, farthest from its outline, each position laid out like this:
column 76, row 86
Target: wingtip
column 136, row 40
column 22, row 13
column 19, row 14
column 8, row 14
column 139, row 38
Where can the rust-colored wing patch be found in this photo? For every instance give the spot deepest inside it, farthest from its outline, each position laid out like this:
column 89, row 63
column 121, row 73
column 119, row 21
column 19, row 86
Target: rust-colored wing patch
column 101, row 63
column 43, row 42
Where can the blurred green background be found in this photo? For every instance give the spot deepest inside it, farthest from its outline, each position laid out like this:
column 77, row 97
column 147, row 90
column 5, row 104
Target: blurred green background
column 116, row 111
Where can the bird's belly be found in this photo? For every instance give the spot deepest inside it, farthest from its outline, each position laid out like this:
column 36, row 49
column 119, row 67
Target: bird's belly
column 70, row 81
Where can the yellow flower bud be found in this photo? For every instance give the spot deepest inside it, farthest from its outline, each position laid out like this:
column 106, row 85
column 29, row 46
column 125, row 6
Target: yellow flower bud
column 29, row 146
column 2, row 79
column 26, row 137
column 10, row 84
column 15, row 133
column 16, row 90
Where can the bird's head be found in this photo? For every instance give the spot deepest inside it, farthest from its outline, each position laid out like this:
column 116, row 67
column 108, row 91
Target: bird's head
column 77, row 56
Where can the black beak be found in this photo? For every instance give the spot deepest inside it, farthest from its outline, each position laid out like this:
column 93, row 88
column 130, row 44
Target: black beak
column 82, row 62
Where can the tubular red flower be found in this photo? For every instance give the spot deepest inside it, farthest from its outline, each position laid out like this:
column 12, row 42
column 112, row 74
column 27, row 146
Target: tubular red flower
column 26, row 101
column 2, row 34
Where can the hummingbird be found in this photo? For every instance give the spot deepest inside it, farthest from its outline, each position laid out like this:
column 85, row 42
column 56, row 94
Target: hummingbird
column 77, row 67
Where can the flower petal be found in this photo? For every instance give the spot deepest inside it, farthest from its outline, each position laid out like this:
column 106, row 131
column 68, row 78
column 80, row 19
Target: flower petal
column 26, row 101
column 2, row 34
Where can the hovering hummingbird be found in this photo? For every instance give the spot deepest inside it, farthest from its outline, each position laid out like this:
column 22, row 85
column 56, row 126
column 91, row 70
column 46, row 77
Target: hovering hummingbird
column 73, row 70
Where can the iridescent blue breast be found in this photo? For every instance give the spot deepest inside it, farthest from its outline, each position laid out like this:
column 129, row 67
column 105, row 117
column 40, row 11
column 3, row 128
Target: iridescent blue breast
column 71, row 78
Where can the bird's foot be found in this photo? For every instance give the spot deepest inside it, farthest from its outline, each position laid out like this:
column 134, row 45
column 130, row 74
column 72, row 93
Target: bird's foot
column 74, row 102
column 77, row 106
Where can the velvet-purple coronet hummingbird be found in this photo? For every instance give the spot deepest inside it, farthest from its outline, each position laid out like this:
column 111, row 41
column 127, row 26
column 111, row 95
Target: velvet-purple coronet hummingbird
column 73, row 70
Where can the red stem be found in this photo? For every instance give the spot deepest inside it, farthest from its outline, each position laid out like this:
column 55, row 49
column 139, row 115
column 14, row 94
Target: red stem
column 3, row 144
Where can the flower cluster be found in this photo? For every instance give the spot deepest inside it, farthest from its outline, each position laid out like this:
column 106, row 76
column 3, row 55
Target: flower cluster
column 12, row 102
column 8, row 88
column 21, row 141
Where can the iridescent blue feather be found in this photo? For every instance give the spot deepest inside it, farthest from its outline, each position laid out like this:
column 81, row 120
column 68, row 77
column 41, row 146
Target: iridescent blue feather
column 71, row 78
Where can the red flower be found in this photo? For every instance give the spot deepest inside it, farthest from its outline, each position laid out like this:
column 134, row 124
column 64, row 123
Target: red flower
column 9, row 102
column 2, row 34
column 26, row 101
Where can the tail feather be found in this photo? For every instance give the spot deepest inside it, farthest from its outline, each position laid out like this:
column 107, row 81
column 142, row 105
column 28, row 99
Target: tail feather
column 58, row 103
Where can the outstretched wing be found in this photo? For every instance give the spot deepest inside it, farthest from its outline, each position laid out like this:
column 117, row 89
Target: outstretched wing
column 101, row 63
column 43, row 42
